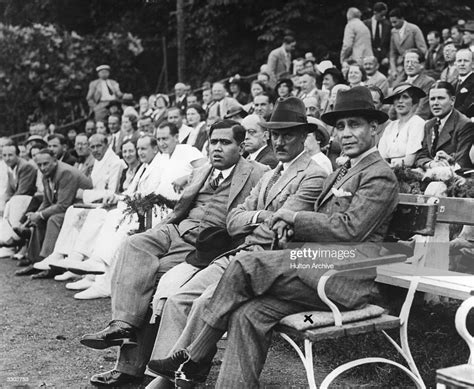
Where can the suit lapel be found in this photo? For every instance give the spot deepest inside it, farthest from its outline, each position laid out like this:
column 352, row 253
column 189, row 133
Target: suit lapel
column 288, row 175
column 192, row 190
column 240, row 176
column 449, row 126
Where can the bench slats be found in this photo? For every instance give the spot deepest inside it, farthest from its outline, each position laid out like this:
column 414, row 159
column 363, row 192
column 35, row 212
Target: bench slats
column 371, row 325
column 435, row 281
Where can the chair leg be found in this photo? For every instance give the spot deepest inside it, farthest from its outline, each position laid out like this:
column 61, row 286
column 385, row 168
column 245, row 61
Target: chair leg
column 460, row 320
column 306, row 358
column 364, row 361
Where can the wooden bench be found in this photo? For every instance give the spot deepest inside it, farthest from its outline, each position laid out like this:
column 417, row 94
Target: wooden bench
column 415, row 215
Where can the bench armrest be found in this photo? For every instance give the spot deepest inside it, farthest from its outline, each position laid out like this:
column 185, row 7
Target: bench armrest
column 346, row 264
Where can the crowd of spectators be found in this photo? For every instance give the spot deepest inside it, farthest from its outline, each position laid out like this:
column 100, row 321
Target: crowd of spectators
column 64, row 193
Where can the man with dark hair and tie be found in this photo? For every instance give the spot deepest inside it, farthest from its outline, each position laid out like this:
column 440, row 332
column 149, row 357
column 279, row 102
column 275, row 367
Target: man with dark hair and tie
column 259, row 288
column 215, row 189
column 380, row 30
column 465, row 85
column 449, row 135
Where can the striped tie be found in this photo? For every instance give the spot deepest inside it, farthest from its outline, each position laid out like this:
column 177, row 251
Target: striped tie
column 216, row 181
column 343, row 171
column 273, row 179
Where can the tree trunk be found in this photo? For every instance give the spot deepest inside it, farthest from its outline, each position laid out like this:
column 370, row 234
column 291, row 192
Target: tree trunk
column 180, row 39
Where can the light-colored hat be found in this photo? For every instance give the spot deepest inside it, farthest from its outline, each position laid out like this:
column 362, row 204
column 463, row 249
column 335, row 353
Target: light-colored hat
column 102, row 67
column 324, row 65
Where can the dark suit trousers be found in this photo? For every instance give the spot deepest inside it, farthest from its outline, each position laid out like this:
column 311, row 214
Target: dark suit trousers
column 44, row 237
column 139, row 262
column 256, row 291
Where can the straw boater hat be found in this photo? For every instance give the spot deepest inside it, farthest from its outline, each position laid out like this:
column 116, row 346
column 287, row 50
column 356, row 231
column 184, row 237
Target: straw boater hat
column 356, row 101
column 403, row 88
column 289, row 113
column 102, row 67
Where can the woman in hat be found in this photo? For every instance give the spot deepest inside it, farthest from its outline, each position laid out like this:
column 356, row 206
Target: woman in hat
column 196, row 119
column 160, row 112
column 284, row 88
column 235, row 88
column 403, row 137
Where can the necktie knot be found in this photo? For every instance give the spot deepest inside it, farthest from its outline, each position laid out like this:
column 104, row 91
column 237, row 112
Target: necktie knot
column 216, row 181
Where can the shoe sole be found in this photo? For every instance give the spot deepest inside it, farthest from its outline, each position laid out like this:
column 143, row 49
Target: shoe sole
column 102, row 344
column 57, row 267
column 164, row 375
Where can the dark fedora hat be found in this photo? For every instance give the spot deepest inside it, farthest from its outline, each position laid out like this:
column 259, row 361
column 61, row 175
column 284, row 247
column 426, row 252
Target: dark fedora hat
column 210, row 243
column 236, row 110
column 469, row 26
column 356, row 101
column 289, row 112
column 399, row 89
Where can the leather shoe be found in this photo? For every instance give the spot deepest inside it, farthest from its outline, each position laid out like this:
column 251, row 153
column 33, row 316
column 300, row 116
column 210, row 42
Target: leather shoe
column 113, row 378
column 23, row 232
column 24, row 262
column 26, row 271
column 116, row 334
column 43, row 274
column 181, row 368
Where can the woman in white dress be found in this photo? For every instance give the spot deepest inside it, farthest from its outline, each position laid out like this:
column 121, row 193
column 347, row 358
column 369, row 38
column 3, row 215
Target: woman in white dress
column 403, row 137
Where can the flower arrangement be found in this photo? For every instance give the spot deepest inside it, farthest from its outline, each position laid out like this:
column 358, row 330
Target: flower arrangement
column 143, row 206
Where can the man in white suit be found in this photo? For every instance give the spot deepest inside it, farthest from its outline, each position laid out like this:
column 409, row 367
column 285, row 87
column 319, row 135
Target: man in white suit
column 357, row 43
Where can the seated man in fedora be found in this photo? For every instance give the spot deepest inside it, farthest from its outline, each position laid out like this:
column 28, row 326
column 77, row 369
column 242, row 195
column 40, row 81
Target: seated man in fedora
column 214, row 190
column 294, row 184
column 258, row 289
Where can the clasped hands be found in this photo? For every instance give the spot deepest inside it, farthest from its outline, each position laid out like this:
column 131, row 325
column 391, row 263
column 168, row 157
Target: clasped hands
column 282, row 224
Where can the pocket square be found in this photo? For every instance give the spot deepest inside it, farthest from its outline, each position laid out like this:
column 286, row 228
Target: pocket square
column 340, row 192
column 463, row 90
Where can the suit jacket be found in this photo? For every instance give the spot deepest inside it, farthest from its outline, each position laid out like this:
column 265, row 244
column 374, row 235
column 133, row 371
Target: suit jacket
column 222, row 107
column 181, row 104
column 465, row 94
column 361, row 219
column 65, row 183
column 412, row 38
column 267, row 157
column 297, row 189
column 379, row 80
column 86, row 166
column 452, row 77
column 455, row 138
column 68, row 158
column 423, row 82
column 356, row 43
column 381, row 50
column 25, row 182
column 94, row 94
column 278, row 62
column 147, row 178
column 434, row 63
column 245, row 176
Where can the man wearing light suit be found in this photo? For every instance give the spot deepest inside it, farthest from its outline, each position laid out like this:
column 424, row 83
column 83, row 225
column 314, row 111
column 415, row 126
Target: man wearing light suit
column 296, row 188
column 449, row 136
column 213, row 192
column 101, row 92
column 356, row 43
column 279, row 59
column 258, row 289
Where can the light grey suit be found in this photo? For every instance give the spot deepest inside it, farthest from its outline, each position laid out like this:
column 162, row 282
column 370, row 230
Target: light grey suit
column 259, row 289
column 357, row 43
column 412, row 38
column 297, row 190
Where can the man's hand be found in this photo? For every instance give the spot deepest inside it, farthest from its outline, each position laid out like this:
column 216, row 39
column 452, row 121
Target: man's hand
column 443, row 156
column 263, row 216
column 283, row 232
column 284, row 215
column 110, row 199
column 179, row 184
column 438, row 163
column 34, row 218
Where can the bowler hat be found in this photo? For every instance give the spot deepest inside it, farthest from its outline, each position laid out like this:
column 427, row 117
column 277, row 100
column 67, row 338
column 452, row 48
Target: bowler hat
column 469, row 26
column 399, row 89
column 356, row 101
column 289, row 112
column 210, row 243
column 102, row 67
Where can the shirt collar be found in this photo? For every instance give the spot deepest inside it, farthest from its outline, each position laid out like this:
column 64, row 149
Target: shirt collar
column 463, row 78
column 225, row 173
column 286, row 165
column 253, row 155
column 444, row 120
column 356, row 160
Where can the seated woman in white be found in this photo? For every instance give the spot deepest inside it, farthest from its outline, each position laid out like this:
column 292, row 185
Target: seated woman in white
column 403, row 137
column 176, row 164
column 315, row 141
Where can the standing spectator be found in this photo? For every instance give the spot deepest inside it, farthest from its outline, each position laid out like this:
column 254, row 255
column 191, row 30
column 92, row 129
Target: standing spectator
column 374, row 77
column 380, row 31
column 434, row 63
column 57, row 143
column 405, row 36
column 413, row 66
column 356, row 43
column 180, row 96
column 235, row 88
column 465, row 85
column 450, row 72
column 221, row 104
column 101, row 92
column 468, row 35
column 279, row 59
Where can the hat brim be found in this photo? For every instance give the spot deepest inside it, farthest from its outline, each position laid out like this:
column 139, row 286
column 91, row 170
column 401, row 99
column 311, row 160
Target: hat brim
column 417, row 91
column 332, row 117
column 287, row 125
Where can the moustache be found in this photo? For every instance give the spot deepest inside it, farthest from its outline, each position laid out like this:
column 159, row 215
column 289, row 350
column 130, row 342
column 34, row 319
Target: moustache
column 280, row 148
